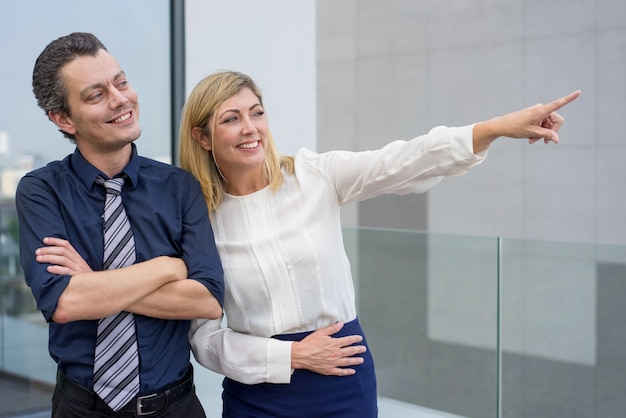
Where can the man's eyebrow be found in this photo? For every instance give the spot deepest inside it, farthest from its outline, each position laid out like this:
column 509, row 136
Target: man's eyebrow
column 95, row 86
column 119, row 75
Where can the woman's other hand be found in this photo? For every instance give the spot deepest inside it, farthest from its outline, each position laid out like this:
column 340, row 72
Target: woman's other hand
column 321, row 353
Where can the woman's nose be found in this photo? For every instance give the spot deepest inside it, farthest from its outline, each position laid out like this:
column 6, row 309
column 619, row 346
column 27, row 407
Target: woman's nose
column 248, row 125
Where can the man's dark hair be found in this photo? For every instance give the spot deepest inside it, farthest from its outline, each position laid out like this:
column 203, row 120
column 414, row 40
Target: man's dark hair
column 48, row 85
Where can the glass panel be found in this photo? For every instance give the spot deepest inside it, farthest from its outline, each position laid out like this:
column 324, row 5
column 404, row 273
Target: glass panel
column 563, row 329
column 137, row 34
column 428, row 304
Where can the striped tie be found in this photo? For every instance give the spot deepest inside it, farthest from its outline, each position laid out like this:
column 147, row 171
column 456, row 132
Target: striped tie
column 116, row 364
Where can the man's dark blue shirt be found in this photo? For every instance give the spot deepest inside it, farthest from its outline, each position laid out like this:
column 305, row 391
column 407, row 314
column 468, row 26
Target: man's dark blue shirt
column 169, row 217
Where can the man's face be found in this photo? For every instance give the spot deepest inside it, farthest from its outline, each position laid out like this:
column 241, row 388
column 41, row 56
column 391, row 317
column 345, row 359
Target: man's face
column 103, row 111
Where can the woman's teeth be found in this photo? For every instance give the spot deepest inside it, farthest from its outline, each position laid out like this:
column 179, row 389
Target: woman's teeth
column 249, row 145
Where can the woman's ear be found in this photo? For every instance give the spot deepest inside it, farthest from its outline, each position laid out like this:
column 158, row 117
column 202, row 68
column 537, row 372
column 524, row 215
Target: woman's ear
column 198, row 134
column 62, row 121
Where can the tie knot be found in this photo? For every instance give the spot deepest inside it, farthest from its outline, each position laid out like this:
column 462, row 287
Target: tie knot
column 112, row 186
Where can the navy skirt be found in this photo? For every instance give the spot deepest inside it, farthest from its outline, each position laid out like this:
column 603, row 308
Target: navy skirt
column 309, row 394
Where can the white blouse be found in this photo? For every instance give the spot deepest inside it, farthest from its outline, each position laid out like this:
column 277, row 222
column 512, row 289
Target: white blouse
column 286, row 269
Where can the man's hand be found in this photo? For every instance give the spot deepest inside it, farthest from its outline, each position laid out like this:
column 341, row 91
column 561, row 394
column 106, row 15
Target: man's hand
column 62, row 256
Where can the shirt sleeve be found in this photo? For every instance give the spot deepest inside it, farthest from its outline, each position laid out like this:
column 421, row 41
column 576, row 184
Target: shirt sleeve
column 245, row 358
column 198, row 244
column 39, row 216
column 400, row 167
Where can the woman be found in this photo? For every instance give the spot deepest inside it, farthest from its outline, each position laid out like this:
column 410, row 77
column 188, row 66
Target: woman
column 293, row 345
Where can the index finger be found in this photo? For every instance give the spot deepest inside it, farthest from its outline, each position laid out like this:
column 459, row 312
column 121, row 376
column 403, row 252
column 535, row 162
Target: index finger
column 331, row 329
column 559, row 103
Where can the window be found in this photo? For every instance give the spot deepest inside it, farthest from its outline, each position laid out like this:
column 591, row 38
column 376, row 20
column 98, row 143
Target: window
column 138, row 34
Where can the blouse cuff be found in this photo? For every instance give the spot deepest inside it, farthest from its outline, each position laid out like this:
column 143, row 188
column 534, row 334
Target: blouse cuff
column 279, row 361
column 462, row 144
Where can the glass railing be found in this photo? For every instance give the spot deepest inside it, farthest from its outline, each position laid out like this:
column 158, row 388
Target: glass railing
column 429, row 306
column 26, row 370
column 492, row 327
column 458, row 326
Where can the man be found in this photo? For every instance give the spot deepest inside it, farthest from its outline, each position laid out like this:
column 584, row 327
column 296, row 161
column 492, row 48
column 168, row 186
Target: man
column 85, row 278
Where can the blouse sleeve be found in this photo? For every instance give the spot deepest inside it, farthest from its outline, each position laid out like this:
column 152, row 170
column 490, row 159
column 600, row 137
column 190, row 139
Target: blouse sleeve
column 400, row 167
column 245, row 358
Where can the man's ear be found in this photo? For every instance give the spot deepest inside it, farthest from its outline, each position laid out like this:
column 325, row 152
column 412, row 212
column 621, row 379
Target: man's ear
column 198, row 134
column 62, row 121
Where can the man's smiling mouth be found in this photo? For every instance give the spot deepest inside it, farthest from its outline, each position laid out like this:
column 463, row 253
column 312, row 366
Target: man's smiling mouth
column 122, row 118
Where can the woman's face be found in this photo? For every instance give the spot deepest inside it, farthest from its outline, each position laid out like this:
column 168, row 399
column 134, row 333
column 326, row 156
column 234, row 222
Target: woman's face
column 240, row 132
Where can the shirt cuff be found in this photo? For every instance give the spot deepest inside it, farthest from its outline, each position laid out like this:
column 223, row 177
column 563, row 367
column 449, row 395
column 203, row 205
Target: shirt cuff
column 279, row 361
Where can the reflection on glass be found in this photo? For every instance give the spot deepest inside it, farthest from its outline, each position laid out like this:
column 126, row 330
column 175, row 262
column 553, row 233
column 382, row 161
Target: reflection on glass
column 138, row 35
column 563, row 329
column 428, row 304
column 429, row 307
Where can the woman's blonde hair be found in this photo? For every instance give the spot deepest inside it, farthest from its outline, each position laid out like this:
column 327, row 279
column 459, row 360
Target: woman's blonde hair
column 202, row 103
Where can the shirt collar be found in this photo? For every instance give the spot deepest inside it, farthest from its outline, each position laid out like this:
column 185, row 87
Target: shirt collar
column 87, row 173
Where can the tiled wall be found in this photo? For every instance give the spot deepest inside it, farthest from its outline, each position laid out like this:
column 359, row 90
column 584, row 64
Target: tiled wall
column 392, row 69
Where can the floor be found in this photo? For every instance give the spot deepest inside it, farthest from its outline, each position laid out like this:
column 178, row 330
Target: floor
column 21, row 398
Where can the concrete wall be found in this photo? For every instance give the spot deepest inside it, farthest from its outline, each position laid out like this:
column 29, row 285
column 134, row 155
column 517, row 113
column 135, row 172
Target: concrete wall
column 393, row 69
